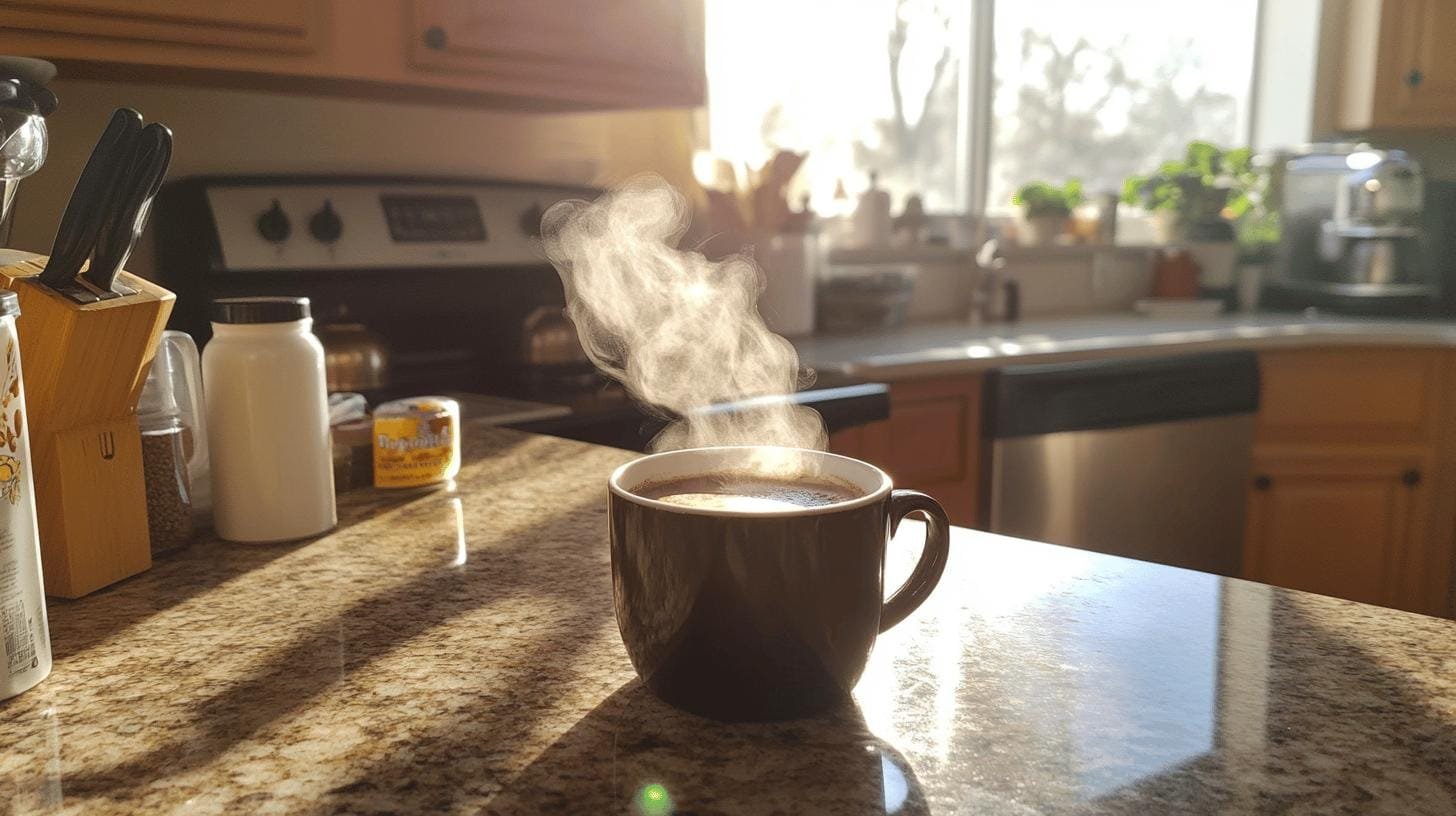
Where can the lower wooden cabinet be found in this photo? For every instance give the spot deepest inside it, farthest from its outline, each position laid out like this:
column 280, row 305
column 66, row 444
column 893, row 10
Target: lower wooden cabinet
column 1343, row 526
column 1353, row 486
column 1353, row 489
column 930, row 443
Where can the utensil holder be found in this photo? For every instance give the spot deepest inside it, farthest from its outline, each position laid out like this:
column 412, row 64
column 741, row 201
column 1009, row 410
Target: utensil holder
column 85, row 365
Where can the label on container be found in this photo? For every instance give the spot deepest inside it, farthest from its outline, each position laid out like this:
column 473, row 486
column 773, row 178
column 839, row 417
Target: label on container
column 25, row 652
column 416, row 443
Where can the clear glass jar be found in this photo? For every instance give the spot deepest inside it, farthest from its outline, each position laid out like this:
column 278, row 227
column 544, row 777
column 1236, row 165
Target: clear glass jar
column 174, row 443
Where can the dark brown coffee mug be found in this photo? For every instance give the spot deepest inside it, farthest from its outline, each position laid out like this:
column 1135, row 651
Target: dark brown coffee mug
column 760, row 615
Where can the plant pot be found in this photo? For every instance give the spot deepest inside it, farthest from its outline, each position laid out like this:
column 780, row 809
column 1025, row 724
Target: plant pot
column 1041, row 230
column 1217, row 261
column 1167, row 228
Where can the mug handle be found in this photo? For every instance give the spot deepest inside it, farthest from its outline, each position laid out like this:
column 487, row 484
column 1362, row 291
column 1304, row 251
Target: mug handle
column 927, row 572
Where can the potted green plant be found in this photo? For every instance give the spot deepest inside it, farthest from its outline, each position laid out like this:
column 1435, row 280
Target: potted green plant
column 1196, row 197
column 1045, row 210
column 1196, row 201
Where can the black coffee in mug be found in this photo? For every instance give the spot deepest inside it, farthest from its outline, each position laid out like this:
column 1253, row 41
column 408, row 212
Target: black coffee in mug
column 748, row 491
column 743, row 594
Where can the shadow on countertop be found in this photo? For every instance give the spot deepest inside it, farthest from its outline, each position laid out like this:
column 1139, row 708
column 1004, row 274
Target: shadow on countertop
column 210, row 562
column 635, row 754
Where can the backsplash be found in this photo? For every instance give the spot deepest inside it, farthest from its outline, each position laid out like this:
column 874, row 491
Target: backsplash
column 229, row 131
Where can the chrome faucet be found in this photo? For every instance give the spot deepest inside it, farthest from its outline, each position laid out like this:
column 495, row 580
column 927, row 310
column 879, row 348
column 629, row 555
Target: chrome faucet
column 995, row 296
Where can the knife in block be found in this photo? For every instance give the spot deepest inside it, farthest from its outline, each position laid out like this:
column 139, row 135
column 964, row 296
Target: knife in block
column 84, row 366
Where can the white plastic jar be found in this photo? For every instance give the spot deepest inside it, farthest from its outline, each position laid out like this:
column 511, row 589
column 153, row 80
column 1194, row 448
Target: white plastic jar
column 25, row 643
column 267, row 421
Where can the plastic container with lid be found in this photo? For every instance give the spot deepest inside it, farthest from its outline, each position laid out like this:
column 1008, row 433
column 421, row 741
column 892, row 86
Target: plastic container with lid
column 268, row 421
column 174, row 443
column 25, row 648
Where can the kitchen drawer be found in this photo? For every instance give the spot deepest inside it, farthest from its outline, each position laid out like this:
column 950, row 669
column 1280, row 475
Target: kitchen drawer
column 1357, row 396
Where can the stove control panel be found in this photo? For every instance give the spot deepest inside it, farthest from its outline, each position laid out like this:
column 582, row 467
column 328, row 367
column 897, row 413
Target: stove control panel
column 323, row 226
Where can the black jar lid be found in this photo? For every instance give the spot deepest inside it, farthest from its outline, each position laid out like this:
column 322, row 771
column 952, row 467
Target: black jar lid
column 259, row 309
column 9, row 303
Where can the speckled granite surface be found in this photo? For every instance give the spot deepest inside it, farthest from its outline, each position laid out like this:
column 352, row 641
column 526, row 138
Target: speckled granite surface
column 456, row 653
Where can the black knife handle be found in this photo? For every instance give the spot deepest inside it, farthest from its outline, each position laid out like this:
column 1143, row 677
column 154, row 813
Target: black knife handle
column 129, row 206
column 76, row 236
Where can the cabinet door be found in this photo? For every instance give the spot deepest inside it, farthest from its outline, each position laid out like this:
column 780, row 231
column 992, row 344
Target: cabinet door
column 605, row 51
column 257, row 25
column 1416, row 63
column 930, row 443
column 1337, row 526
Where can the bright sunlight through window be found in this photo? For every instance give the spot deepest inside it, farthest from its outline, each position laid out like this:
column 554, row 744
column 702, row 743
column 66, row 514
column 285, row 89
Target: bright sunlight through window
column 1097, row 91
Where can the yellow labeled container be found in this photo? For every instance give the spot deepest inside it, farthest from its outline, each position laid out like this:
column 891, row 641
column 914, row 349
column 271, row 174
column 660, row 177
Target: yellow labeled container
column 416, row 442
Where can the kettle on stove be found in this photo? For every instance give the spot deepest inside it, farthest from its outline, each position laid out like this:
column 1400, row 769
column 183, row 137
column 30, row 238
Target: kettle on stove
column 356, row 358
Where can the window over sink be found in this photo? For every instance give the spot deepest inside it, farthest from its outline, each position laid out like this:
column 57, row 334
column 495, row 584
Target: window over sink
column 962, row 101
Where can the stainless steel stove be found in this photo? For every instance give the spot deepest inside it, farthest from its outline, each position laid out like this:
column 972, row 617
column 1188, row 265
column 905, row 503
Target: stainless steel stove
column 446, row 270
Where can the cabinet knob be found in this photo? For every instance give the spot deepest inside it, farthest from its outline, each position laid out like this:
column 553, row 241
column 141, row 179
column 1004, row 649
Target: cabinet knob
column 435, row 38
column 1411, row 477
column 1262, row 482
column 1414, row 77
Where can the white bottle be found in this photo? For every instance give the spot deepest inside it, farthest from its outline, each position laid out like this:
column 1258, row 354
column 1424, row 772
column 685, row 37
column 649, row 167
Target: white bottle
column 267, row 421
column 872, row 220
column 25, row 643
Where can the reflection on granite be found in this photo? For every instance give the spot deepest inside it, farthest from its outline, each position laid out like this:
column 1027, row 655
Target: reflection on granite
column 456, row 652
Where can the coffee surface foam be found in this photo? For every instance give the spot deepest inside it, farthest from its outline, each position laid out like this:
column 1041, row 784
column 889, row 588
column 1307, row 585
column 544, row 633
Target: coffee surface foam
column 749, row 492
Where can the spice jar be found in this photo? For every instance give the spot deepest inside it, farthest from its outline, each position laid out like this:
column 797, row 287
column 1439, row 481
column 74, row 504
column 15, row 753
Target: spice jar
column 416, row 442
column 174, row 442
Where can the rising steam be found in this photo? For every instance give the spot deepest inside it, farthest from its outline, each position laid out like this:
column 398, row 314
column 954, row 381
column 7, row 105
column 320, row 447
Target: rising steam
column 679, row 331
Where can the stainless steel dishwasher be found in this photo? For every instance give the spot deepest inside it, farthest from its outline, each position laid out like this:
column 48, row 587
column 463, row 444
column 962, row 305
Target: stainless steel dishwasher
column 1147, row 458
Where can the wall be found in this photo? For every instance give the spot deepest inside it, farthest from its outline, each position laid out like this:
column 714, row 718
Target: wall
column 1283, row 101
column 230, row 131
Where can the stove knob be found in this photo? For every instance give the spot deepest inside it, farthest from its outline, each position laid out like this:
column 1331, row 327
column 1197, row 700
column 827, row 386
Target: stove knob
column 325, row 224
column 531, row 220
column 273, row 224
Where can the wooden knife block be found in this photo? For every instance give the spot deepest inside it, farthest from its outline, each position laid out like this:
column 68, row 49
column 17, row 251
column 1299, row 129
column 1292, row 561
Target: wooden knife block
column 84, row 366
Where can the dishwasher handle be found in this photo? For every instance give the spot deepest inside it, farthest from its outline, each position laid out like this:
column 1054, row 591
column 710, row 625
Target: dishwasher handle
column 1031, row 400
column 927, row 572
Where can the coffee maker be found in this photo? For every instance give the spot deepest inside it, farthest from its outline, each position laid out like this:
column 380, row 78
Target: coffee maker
column 1351, row 237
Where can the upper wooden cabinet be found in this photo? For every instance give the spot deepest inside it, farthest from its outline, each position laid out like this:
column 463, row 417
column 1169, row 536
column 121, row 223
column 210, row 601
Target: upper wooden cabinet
column 258, row 25
column 546, row 54
column 1396, row 68
column 614, row 51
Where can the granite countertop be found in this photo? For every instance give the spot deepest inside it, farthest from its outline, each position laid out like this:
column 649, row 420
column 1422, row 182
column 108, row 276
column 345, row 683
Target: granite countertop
column 952, row 347
column 455, row 652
